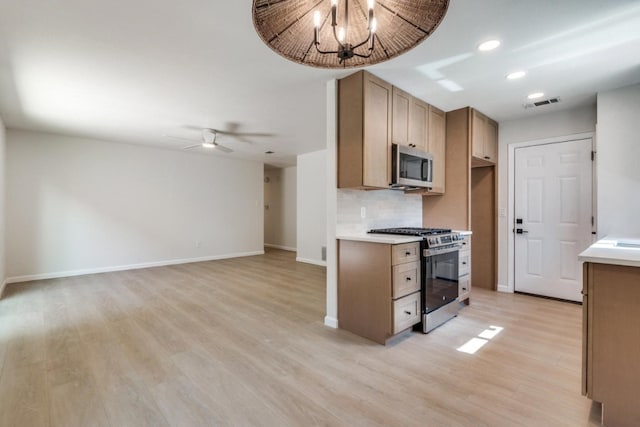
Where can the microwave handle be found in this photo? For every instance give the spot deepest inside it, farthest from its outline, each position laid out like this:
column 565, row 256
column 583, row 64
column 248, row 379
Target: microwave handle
column 427, row 170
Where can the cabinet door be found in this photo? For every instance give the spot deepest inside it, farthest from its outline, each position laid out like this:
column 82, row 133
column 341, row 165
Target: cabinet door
column 418, row 124
column 400, row 117
column 377, row 121
column 478, row 132
column 491, row 141
column 437, row 138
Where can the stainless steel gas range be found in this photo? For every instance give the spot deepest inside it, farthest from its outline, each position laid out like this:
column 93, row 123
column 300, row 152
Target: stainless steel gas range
column 439, row 263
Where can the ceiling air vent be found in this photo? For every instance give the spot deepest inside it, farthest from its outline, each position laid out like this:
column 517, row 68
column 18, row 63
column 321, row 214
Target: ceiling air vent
column 541, row 103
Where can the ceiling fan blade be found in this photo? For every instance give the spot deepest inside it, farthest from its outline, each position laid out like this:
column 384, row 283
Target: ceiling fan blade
column 241, row 134
column 223, row 148
column 188, row 147
column 179, row 138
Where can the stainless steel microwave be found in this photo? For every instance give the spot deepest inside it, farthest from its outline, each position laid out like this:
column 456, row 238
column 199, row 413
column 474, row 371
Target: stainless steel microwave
column 410, row 168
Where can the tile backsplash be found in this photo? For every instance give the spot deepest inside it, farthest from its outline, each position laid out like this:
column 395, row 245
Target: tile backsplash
column 383, row 208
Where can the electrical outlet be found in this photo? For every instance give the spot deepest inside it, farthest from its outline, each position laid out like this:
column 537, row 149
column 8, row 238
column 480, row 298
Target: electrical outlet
column 502, row 213
column 363, row 212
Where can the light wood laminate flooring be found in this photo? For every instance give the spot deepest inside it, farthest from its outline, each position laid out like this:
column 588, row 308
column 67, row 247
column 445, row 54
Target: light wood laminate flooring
column 241, row 342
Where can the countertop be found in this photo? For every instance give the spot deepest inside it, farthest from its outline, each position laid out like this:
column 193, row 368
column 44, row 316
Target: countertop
column 613, row 250
column 390, row 239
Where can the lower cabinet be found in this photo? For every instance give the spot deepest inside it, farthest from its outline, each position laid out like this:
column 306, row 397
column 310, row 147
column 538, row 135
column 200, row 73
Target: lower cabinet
column 378, row 288
column 611, row 341
column 464, row 270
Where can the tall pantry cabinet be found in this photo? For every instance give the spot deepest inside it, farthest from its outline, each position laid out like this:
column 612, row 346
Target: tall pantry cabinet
column 470, row 200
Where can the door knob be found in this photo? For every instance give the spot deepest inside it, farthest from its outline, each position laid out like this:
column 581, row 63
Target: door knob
column 521, row 231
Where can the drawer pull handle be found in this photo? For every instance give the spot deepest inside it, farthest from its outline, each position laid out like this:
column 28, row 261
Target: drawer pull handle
column 408, row 279
column 487, row 157
column 464, row 289
column 407, row 253
column 407, row 312
column 464, row 263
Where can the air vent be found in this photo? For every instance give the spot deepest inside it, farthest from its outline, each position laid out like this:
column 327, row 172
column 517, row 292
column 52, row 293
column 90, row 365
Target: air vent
column 541, row 103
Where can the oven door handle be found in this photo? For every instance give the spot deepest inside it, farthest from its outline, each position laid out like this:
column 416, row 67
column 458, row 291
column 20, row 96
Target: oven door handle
column 431, row 252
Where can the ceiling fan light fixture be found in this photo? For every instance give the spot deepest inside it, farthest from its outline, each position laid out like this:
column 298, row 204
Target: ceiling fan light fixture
column 345, row 33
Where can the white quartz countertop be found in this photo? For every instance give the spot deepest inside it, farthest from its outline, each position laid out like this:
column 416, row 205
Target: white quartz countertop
column 390, row 239
column 613, row 250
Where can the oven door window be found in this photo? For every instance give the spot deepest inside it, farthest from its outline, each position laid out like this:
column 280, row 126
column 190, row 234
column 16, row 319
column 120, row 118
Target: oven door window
column 440, row 280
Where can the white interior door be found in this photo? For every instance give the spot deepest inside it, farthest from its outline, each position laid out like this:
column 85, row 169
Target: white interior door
column 553, row 192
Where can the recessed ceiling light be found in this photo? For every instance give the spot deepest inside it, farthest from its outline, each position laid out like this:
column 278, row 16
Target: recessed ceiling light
column 535, row 95
column 516, row 75
column 489, row 45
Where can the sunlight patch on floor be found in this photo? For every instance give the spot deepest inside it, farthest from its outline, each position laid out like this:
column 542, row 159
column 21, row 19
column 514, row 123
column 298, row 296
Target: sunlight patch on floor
column 476, row 343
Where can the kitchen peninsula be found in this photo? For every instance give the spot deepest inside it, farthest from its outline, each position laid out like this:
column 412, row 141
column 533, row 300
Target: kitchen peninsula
column 390, row 280
column 611, row 329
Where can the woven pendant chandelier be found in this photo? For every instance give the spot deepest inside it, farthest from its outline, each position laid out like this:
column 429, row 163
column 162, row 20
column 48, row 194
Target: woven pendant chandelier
column 345, row 33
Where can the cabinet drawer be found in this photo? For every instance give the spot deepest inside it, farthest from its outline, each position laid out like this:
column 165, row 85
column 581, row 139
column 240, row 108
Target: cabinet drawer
column 464, row 263
column 466, row 243
column 464, row 287
column 407, row 252
column 406, row 312
column 406, row 279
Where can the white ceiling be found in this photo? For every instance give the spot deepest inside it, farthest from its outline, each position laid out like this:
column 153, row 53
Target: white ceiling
column 133, row 71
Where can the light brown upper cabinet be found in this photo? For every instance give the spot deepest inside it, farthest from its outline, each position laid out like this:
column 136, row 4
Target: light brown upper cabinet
column 372, row 114
column 409, row 120
column 364, row 131
column 484, row 139
column 470, row 200
column 436, row 146
column 400, row 117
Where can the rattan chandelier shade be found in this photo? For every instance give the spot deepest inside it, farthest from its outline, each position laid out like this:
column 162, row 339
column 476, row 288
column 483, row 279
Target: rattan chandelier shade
column 286, row 26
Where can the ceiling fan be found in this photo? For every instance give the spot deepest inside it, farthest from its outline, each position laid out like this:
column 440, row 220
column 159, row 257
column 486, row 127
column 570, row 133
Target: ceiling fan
column 208, row 140
column 232, row 129
column 209, row 136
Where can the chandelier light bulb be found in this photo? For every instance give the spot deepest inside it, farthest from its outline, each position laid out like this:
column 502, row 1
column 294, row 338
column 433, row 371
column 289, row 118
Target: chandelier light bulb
column 371, row 3
column 334, row 3
column 374, row 25
column 341, row 34
column 316, row 18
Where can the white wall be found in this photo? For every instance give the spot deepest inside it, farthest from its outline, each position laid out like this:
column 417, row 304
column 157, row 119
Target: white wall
column 312, row 207
column 280, row 217
column 3, row 275
column 618, row 162
column 544, row 126
column 78, row 205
